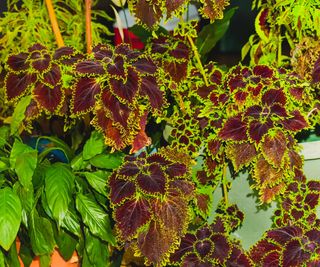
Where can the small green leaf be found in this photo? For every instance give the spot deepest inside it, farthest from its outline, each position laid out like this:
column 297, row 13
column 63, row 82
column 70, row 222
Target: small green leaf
column 212, row 33
column 66, row 244
column 45, row 260
column 4, row 135
column 107, row 161
column 19, row 114
column 78, row 163
column 26, row 196
column 10, row 217
column 95, row 218
column 98, row 180
column 93, row 146
column 96, row 249
column 41, row 235
column 59, row 183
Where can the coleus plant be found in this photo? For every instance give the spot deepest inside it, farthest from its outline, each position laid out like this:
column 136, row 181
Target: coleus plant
column 160, row 196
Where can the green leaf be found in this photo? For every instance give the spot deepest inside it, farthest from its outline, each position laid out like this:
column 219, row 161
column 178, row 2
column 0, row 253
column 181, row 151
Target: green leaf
column 98, row 180
column 41, row 235
column 59, row 184
column 143, row 34
column 78, row 163
column 4, row 135
column 212, row 33
column 1, row 259
column 27, row 200
column 19, row 114
column 45, row 260
column 12, row 258
column 93, row 146
column 95, row 218
column 66, row 244
column 10, row 217
column 23, row 159
column 3, row 166
column 25, row 254
column 71, row 222
column 107, row 161
column 96, row 249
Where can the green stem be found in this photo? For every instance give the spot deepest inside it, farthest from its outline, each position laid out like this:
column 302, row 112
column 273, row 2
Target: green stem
column 197, row 56
column 225, row 185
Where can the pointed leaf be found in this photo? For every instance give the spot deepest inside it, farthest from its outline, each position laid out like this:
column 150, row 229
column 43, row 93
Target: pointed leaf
column 107, row 161
column 95, row 218
column 93, row 146
column 274, row 148
column 152, row 182
column 19, row 114
column 90, row 67
column 120, row 189
column 17, row 84
column 10, row 217
column 98, row 180
column 235, row 129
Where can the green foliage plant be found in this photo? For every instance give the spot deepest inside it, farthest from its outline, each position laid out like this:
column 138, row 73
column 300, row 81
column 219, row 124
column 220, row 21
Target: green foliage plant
column 148, row 137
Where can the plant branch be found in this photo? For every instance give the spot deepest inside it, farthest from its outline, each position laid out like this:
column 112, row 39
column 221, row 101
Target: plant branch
column 88, row 26
column 197, row 56
column 54, row 23
column 224, row 185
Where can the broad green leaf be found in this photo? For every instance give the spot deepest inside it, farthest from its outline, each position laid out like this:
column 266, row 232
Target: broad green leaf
column 19, row 114
column 3, row 166
column 212, row 33
column 93, row 146
column 78, row 163
column 25, row 254
column 4, row 135
column 107, row 161
column 95, row 218
column 96, row 249
column 98, row 180
column 66, row 244
column 10, row 217
column 1, row 259
column 12, row 257
column 45, row 260
column 71, row 222
column 59, row 183
column 41, row 235
column 23, row 159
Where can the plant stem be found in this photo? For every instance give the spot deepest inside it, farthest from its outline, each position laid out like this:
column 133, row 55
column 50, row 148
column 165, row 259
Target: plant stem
column 54, row 23
column 224, row 185
column 197, row 56
column 88, row 26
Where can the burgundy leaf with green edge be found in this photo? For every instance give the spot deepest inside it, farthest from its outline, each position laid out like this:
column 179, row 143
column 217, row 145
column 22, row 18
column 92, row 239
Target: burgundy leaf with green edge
column 152, row 180
column 129, row 169
column 314, row 186
column 241, row 154
column 84, row 95
column 114, row 136
column 116, row 67
column 41, row 62
column 203, row 203
column 222, row 248
column 53, row 76
column 204, row 247
column 296, row 123
column 186, row 188
column 234, row 128
column 312, row 200
column 36, row 47
column 90, row 67
column 260, row 249
column 272, row 259
column 186, row 246
column 150, row 89
column 160, row 45
column 277, row 109
column 181, row 51
column 131, row 215
column 145, row 65
column 120, row 189
column 238, row 258
column 294, row 254
column 274, row 96
column 128, row 90
column 149, row 12
column 173, row 5
column 274, row 147
column 193, row 259
column 236, row 82
column 241, row 96
column 254, row 111
column 155, row 242
column 159, row 159
column 176, row 169
column 125, row 50
column 316, row 71
column 141, row 139
column 102, row 52
column 120, row 112
column 263, row 71
column 63, row 52
column 17, row 84
column 257, row 129
column 18, row 62
column 48, row 98
column 176, row 70
column 284, row 234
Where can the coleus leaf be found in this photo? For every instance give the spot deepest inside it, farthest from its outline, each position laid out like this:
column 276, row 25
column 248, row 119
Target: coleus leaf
column 296, row 123
column 222, row 248
column 274, row 148
column 121, row 189
column 116, row 67
column 48, row 98
column 132, row 215
column 145, row 66
column 90, row 67
column 53, row 76
column 17, row 84
column 150, row 89
column 234, row 128
column 263, row 71
column 273, row 96
column 241, row 154
column 148, row 12
column 258, row 129
column 40, row 62
column 294, row 254
column 84, row 95
column 185, row 247
column 214, row 9
column 18, row 62
column 141, row 139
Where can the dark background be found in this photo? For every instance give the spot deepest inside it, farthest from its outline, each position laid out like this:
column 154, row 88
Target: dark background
column 228, row 50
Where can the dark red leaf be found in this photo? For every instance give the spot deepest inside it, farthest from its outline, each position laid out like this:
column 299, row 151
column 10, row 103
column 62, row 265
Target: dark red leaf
column 313, row 235
column 234, row 128
column 84, row 95
column 297, row 92
column 185, row 187
column 181, row 51
column 272, row 259
column 42, row 62
column 186, row 246
column 176, row 169
column 177, row 71
column 47, row 97
column 159, row 159
column 263, row 247
column 102, row 52
column 316, row 71
column 120, row 189
column 294, row 254
column 284, row 234
column 218, row 226
column 125, row 50
column 274, row 147
column 222, row 248
column 238, row 259
column 116, row 67
column 241, row 96
column 148, row 12
column 36, row 47
column 150, row 88
column 254, row 111
column 141, row 139
column 312, row 199
column 204, row 247
column 153, row 180
column 145, row 65
column 236, row 82
column 90, row 67
column 131, row 215
column 263, row 71
column 314, row 186
column 173, row 5
column 63, row 52
column 53, row 76
column 16, row 84
column 129, row 169
column 296, row 123
column 193, row 259
column 273, row 96
column 257, row 129
column 18, row 62
column 278, row 110
column 203, row 202
column 128, row 90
